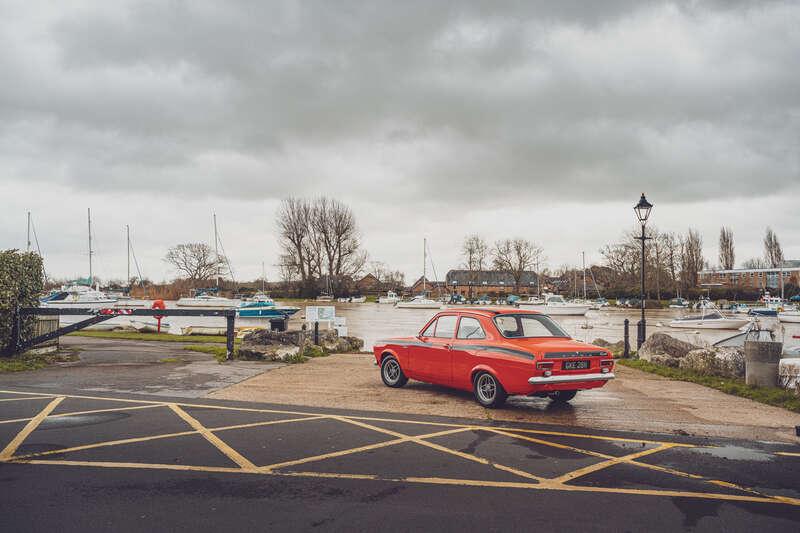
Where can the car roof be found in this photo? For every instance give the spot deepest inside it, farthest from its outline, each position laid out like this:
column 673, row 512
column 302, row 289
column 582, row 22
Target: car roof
column 490, row 311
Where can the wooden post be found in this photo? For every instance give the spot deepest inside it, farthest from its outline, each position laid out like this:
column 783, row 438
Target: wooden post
column 626, row 351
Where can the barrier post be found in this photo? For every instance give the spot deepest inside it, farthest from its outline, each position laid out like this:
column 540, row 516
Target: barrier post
column 230, row 320
column 626, row 336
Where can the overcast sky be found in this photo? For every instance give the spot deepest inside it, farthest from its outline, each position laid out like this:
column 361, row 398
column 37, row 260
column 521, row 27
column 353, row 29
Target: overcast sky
column 543, row 120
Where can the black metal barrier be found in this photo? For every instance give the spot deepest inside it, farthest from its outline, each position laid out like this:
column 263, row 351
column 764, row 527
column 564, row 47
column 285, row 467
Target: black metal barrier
column 17, row 345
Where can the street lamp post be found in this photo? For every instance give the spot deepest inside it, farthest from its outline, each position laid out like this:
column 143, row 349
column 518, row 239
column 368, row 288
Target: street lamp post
column 642, row 210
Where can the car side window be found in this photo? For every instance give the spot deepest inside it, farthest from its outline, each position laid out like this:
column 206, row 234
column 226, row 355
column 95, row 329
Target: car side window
column 430, row 330
column 446, row 326
column 470, row 328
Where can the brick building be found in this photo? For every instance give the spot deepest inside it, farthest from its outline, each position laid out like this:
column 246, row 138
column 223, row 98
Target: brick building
column 752, row 278
column 489, row 282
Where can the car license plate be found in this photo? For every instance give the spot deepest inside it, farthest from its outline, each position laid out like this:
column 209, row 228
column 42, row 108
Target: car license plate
column 575, row 365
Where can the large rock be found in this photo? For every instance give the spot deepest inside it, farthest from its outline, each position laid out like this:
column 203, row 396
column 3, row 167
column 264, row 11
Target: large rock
column 724, row 362
column 664, row 345
column 789, row 373
column 280, row 345
column 665, row 360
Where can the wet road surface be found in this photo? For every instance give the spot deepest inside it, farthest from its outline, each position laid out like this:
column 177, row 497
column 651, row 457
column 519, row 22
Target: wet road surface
column 135, row 463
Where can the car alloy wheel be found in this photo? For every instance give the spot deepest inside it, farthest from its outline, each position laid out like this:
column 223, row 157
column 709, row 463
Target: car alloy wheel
column 391, row 373
column 487, row 388
column 488, row 391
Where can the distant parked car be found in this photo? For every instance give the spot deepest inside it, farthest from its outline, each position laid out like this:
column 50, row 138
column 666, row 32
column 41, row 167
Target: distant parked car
column 495, row 353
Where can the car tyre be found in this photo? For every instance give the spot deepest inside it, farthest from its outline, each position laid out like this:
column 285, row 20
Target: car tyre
column 488, row 390
column 562, row 396
column 391, row 373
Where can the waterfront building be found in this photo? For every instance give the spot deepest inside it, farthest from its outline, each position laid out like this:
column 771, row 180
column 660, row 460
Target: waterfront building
column 471, row 283
column 752, row 278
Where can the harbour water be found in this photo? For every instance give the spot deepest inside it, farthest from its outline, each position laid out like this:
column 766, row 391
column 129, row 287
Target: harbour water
column 371, row 322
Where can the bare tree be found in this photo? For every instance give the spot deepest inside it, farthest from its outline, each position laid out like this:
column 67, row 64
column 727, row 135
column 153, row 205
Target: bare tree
column 293, row 220
column 692, row 260
column 194, row 261
column 335, row 230
column 726, row 252
column 515, row 256
column 474, row 251
column 772, row 249
column 755, row 263
column 319, row 239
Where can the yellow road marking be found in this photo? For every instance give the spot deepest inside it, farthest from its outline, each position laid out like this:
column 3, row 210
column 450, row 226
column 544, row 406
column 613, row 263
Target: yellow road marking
column 553, row 444
column 93, row 411
column 436, row 481
column 463, row 455
column 143, row 404
column 157, row 437
column 232, row 454
column 25, row 398
column 605, row 464
column 359, row 449
column 12, row 446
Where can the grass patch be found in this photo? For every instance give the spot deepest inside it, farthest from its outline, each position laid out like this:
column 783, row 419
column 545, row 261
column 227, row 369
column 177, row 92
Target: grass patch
column 736, row 387
column 170, row 360
column 161, row 337
column 29, row 361
column 220, row 353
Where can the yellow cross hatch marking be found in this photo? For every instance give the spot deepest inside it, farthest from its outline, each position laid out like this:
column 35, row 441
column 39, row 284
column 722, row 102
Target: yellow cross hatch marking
column 232, row 454
column 246, row 466
column 34, row 422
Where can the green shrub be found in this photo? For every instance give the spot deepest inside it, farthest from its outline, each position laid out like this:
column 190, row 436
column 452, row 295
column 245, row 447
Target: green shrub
column 312, row 350
column 21, row 284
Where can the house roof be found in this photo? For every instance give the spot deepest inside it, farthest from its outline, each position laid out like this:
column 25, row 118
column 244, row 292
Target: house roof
column 488, row 277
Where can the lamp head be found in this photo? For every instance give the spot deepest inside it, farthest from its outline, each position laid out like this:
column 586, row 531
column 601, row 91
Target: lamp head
column 642, row 209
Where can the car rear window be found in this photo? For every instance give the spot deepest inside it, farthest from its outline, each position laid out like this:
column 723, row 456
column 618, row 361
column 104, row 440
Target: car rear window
column 470, row 328
column 528, row 325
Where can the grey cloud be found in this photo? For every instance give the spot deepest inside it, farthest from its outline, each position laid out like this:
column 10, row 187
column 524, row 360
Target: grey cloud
column 510, row 101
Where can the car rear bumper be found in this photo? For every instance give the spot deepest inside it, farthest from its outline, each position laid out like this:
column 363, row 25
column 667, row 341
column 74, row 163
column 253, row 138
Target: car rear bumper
column 570, row 378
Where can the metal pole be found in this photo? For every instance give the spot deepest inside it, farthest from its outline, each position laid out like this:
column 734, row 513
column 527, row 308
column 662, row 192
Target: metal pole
column 316, row 333
column 128, row 249
column 583, row 257
column 216, row 249
column 626, row 350
column 230, row 322
column 89, row 216
column 28, row 249
column 643, row 328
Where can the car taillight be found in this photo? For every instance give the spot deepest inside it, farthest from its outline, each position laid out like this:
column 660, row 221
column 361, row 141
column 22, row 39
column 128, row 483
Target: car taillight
column 606, row 365
column 547, row 366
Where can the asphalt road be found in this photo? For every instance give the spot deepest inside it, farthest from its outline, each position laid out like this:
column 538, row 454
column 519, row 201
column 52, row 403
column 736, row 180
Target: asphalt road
column 73, row 462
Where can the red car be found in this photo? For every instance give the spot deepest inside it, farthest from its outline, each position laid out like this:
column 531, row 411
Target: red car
column 495, row 353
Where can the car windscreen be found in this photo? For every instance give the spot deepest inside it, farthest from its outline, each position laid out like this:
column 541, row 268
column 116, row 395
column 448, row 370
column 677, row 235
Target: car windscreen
column 527, row 325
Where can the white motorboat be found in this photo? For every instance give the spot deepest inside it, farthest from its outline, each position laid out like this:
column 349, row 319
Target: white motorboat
column 149, row 325
column 390, row 298
column 419, row 302
column 207, row 301
column 555, row 305
column 709, row 320
column 789, row 317
column 78, row 296
column 203, row 330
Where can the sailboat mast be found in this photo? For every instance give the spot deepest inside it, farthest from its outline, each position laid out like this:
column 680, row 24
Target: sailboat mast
column 216, row 249
column 28, row 249
column 128, row 250
column 424, row 262
column 263, row 277
column 89, row 217
column 583, row 257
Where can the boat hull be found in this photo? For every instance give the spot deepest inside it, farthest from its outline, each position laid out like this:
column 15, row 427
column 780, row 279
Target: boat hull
column 790, row 317
column 715, row 323
column 206, row 304
column 267, row 312
column 557, row 310
column 415, row 305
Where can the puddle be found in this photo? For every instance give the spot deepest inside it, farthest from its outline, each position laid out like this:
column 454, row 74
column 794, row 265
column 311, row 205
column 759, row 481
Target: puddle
column 736, row 453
